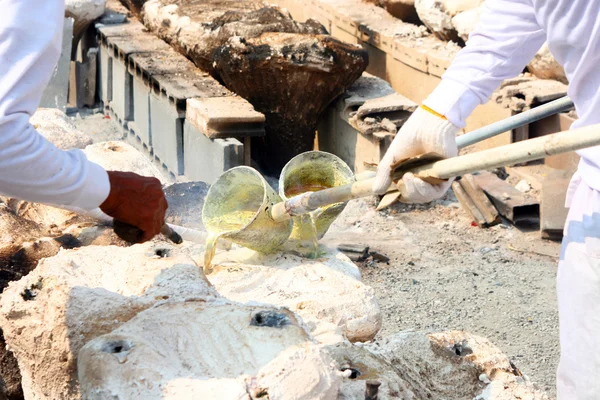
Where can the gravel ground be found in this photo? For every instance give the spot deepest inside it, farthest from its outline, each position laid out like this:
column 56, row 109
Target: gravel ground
column 445, row 274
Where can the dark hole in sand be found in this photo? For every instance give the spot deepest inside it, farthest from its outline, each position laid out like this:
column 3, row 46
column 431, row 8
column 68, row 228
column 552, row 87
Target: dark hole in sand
column 68, row 241
column 116, row 148
column 162, row 253
column 116, row 346
column 270, row 319
column 462, row 349
column 31, row 292
column 354, row 373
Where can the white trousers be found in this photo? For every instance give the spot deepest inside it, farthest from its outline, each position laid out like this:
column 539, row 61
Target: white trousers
column 578, row 287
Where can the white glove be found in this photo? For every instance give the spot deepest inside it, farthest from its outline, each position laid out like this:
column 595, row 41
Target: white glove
column 424, row 132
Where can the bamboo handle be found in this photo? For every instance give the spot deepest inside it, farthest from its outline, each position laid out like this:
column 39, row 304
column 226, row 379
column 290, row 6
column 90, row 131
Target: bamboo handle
column 527, row 150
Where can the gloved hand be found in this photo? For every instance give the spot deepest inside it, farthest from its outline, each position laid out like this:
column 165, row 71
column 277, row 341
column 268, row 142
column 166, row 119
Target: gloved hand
column 424, row 132
column 136, row 200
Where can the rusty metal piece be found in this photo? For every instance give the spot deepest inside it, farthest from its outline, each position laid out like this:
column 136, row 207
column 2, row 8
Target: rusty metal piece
column 511, row 203
column 474, row 201
column 372, row 390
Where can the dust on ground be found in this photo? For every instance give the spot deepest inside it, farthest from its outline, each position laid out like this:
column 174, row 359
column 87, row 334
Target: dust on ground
column 96, row 125
column 445, row 274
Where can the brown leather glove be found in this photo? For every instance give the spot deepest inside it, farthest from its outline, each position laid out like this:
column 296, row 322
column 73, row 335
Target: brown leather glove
column 138, row 201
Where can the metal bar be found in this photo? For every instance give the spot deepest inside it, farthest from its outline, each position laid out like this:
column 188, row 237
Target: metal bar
column 527, row 150
column 527, row 117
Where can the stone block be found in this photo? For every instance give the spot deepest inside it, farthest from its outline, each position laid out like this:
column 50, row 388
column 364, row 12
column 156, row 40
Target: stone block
column 225, row 117
column 206, row 159
column 167, row 120
column 56, row 93
column 120, row 42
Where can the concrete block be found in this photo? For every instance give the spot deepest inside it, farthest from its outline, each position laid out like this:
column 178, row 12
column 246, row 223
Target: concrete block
column 359, row 126
column 341, row 34
column 206, row 159
column 167, row 120
column 338, row 137
column 122, row 86
column 225, row 117
column 55, row 95
column 141, row 110
column 553, row 213
column 105, row 75
column 119, row 42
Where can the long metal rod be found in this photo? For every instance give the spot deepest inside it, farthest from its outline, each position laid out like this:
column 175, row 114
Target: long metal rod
column 524, row 118
column 515, row 153
column 523, row 151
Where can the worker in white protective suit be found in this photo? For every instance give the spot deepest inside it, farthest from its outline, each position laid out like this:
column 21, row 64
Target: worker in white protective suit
column 508, row 35
column 33, row 169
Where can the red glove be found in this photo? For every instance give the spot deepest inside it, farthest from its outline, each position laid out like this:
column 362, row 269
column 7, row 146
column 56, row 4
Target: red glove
column 138, row 201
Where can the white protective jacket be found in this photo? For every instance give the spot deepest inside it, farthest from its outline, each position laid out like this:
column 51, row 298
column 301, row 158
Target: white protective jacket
column 31, row 168
column 506, row 38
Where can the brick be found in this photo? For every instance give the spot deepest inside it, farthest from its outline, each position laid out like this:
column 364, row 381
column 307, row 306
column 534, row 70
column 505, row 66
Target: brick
column 206, row 159
column 409, row 68
column 225, row 117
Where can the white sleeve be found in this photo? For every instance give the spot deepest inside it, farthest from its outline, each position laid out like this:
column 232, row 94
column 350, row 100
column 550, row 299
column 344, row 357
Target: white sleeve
column 505, row 39
column 31, row 168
